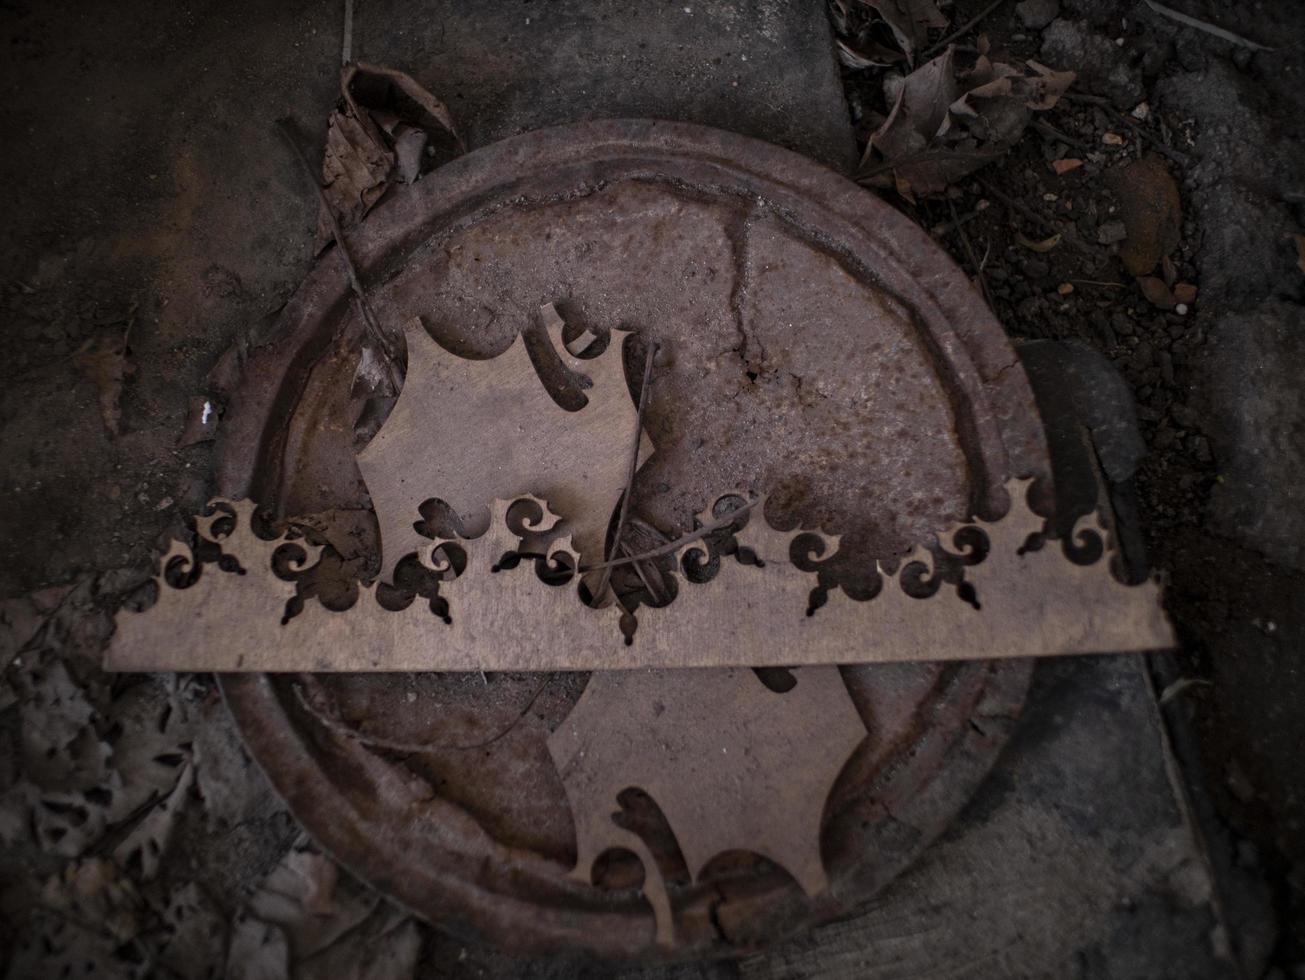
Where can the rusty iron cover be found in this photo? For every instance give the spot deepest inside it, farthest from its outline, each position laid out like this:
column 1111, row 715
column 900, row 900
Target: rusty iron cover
column 852, row 372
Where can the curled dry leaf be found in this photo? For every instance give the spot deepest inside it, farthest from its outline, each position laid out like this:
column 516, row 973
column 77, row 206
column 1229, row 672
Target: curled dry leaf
column 953, row 115
column 1157, row 293
column 1046, row 245
column 379, row 133
column 1151, row 210
column 308, row 921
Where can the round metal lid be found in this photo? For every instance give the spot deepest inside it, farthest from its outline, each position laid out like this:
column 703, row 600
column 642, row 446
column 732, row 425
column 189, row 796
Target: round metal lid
column 821, row 348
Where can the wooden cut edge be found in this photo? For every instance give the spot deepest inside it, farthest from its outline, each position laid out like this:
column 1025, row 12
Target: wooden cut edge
column 1029, row 603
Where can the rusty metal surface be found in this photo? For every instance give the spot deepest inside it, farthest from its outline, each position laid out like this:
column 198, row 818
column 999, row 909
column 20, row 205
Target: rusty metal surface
column 852, row 368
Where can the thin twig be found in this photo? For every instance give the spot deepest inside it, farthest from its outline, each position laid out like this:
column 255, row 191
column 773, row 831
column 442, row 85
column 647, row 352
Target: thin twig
column 1139, row 127
column 1046, row 129
column 629, row 473
column 346, row 48
column 286, row 130
column 341, row 727
column 1045, row 224
column 673, row 546
column 964, row 29
column 969, row 253
column 923, row 156
column 949, row 226
column 643, row 575
column 1206, row 26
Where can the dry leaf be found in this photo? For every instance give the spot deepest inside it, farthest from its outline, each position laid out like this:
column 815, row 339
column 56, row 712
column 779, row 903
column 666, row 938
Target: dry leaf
column 195, row 942
column 910, row 21
column 96, row 894
column 954, row 114
column 309, row 922
column 1151, row 210
column 1046, row 245
column 258, row 951
column 104, row 361
column 379, row 132
column 1185, row 292
column 21, row 617
column 1065, row 165
column 866, row 53
column 148, row 841
column 1157, row 293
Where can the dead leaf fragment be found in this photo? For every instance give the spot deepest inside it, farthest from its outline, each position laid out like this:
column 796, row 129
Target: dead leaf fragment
column 379, row 133
column 910, row 21
column 1151, row 209
column 1157, row 293
column 1065, row 165
column 103, row 360
column 147, row 843
column 310, row 922
column 21, row 617
column 195, row 943
column 1185, row 292
column 953, row 115
column 1046, row 245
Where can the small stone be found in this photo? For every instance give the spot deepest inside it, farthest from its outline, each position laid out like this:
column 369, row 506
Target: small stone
column 1141, row 111
column 1036, row 269
column 1065, row 288
column 1110, row 232
column 1185, row 292
column 1142, row 357
column 1037, row 14
column 1112, row 139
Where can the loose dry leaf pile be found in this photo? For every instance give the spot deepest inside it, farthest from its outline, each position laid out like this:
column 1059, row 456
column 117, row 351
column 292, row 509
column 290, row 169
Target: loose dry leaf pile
column 942, row 118
column 105, row 776
column 952, row 116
